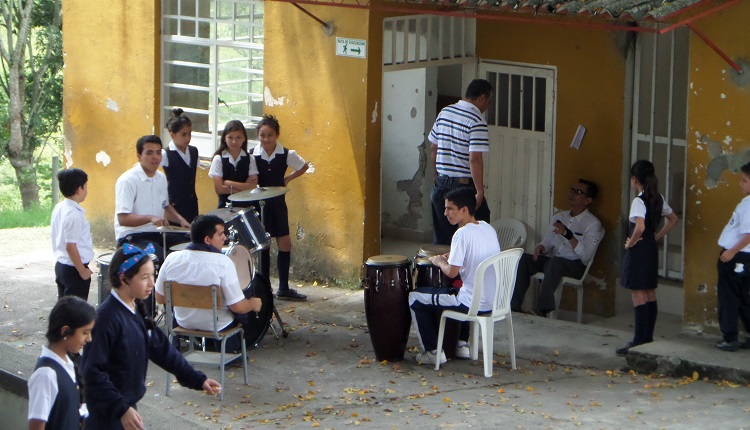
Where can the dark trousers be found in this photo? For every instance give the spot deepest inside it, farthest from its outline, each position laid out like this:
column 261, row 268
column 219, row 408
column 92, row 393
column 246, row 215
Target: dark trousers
column 733, row 291
column 427, row 304
column 70, row 283
column 443, row 230
column 554, row 268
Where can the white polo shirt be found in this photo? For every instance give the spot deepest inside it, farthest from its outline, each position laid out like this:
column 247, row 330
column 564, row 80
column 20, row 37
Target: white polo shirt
column 458, row 130
column 293, row 159
column 172, row 147
column 43, row 387
column 69, row 225
column 217, row 168
column 136, row 193
column 738, row 225
column 201, row 268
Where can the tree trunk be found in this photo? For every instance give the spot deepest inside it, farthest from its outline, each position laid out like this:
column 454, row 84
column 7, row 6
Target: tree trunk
column 26, row 178
column 21, row 158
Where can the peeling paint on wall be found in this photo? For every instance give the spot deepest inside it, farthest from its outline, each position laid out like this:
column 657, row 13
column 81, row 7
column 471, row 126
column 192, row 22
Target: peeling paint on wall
column 103, row 158
column 413, row 189
column 300, row 232
column 310, row 168
column 112, row 105
column 375, row 114
column 721, row 161
column 269, row 100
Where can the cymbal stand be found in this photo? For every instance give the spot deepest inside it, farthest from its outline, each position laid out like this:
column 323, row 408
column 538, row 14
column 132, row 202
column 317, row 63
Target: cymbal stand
column 260, row 253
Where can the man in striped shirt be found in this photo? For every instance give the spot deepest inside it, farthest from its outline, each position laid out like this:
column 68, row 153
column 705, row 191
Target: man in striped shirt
column 459, row 138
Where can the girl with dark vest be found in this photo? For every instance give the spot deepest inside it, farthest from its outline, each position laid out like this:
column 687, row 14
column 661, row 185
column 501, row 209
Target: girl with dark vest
column 232, row 169
column 273, row 161
column 115, row 363
column 640, row 264
column 180, row 164
column 54, row 399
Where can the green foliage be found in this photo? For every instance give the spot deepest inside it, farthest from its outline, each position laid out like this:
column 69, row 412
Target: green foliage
column 42, row 83
column 37, row 216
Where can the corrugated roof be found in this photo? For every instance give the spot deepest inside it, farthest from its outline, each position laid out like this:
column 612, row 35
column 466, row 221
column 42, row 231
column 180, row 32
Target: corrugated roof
column 630, row 15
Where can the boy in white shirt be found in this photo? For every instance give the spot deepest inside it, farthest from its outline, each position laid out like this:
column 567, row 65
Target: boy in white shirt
column 71, row 236
column 733, row 287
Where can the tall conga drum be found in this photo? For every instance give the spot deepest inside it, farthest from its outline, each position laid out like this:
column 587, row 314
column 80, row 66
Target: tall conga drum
column 387, row 283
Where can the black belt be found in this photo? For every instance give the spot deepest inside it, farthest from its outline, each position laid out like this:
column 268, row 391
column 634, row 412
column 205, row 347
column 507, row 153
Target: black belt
column 454, row 180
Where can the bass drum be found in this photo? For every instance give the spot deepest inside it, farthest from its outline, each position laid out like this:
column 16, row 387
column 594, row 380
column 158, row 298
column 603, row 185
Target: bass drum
column 253, row 285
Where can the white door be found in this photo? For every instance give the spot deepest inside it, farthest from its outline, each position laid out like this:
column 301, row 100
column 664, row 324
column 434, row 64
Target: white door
column 520, row 165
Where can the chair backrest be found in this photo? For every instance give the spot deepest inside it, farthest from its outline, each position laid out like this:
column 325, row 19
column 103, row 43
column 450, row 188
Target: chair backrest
column 504, row 265
column 192, row 296
column 511, row 232
column 591, row 261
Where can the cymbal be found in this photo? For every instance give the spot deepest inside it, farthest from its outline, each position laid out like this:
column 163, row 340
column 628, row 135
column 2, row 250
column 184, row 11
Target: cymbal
column 179, row 247
column 172, row 229
column 260, row 193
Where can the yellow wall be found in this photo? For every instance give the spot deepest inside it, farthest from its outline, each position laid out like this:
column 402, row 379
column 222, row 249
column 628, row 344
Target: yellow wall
column 590, row 89
column 110, row 92
column 324, row 116
column 719, row 109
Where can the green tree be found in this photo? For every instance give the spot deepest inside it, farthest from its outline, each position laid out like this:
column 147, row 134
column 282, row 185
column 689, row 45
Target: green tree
column 31, row 64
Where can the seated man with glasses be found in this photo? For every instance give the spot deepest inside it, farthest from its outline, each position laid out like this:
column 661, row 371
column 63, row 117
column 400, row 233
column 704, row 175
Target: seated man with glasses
column 565, row 250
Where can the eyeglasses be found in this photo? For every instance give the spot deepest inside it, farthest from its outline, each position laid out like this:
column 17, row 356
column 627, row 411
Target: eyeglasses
column 578, row 191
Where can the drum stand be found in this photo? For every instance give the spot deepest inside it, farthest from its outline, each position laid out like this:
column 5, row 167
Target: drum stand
column 260, row 253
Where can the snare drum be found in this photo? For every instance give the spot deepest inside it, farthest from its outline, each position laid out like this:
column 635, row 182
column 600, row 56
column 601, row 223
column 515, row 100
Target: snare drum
column 248, row 230
column 253, row 285
column 387, row 284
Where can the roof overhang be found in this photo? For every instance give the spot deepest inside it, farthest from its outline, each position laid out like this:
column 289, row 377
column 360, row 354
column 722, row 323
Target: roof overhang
column 652, row 16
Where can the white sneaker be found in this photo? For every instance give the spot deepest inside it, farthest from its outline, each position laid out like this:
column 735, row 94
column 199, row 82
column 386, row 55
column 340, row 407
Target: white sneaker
column 428, row 357
column 463, row 352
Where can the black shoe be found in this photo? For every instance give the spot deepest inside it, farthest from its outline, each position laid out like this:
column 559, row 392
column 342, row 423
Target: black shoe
column 290, row 294
column 728, row 346
column 623, row 352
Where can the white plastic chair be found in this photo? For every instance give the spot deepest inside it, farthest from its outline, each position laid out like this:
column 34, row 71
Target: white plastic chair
column 511, row 233
column 576, row 283
column 505, row 265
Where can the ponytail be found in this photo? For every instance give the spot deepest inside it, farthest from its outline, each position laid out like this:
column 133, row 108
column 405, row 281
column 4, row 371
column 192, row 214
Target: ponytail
column 644, row 172
column 140, row 307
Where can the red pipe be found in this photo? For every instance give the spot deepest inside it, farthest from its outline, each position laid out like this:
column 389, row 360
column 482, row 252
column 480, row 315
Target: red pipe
column 323, row 23
column 716, row 49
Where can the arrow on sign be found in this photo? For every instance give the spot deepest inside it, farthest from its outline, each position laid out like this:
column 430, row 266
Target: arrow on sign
column 357, row 50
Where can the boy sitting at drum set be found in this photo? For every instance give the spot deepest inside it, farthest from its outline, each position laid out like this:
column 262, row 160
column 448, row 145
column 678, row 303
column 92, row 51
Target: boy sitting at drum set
column 203, row 264
column 473, row 242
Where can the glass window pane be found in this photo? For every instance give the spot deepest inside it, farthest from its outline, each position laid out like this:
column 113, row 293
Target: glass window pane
column 515, row 101
column 527, row 92
column 503, row 99
column 540, row 104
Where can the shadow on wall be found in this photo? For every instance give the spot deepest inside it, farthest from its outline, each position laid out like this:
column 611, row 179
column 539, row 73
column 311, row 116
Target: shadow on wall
column 103, row 232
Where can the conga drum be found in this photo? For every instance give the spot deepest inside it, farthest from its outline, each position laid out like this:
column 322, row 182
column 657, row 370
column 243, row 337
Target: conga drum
column 387, row 283
column 430, row 276
column 426, row 271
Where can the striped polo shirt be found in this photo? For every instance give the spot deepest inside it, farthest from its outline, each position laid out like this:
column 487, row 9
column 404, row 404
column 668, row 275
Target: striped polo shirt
column 459, row 129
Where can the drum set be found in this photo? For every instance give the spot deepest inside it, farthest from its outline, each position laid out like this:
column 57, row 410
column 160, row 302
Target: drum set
column 387, row 281
column 246, row 239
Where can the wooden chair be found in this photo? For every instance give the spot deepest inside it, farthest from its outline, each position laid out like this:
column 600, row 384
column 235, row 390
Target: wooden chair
column 511, row 233
column 202, row 297
column 504, row 265
column 576, row 283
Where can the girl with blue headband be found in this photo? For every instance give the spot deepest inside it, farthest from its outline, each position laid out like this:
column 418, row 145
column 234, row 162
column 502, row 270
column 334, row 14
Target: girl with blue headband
column 125, row 337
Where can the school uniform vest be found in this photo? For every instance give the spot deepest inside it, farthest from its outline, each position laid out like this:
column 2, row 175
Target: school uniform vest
column 181, row 183
column 640, row 263
column 237, row 174
column 64, row 414
column 271, row 173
